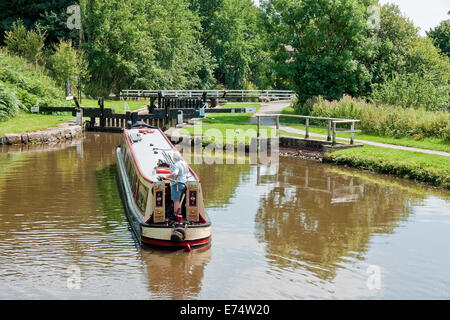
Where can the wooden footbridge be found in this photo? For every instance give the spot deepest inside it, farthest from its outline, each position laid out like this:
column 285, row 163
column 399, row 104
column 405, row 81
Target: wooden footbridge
column 212, row 95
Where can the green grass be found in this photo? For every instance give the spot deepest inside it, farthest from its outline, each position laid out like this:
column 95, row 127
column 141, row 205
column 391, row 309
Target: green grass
column 117, row 105
column 27, row 122
column 238, row 123
column 432, row 169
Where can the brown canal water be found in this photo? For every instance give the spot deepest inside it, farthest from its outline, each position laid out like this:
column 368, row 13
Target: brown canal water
column 293, row 230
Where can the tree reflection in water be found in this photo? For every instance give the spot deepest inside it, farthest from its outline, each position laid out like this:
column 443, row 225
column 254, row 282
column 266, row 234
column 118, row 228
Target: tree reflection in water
column 317, row 220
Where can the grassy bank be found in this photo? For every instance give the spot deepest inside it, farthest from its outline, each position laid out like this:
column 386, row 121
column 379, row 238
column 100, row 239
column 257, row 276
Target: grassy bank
column 23, row 85
column 431, row 169
column 117, row 105
column 27, row 122
column 216, row 125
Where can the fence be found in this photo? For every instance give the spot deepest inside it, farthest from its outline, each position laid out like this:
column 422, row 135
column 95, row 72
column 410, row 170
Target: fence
column 176, row 102
column 331, row 125
column 212, row 94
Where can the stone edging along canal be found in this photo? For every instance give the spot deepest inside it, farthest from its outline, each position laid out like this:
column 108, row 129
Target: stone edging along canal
column 64, row 132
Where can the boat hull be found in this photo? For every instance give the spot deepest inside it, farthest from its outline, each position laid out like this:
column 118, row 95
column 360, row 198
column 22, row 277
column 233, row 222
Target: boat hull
column 195, row 235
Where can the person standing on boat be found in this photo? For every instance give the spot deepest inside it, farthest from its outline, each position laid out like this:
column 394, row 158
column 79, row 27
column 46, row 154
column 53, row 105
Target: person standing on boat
column 178, row 171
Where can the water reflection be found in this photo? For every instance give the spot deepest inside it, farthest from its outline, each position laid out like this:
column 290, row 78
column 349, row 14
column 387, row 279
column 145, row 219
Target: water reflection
column 175, row 275
column 322, row 219
column 219, row 182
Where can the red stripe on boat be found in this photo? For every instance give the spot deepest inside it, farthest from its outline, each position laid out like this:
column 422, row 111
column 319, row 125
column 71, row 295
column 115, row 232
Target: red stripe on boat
column 168, row 243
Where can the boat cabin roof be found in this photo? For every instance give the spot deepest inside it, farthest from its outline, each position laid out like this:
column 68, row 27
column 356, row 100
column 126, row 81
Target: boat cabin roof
column 150, row 145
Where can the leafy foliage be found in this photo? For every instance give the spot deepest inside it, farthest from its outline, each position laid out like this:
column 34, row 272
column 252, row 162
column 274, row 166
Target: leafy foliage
column 27, row 44
column 328, row 48
column 412, row 90
column 316, row 47
column 67, row 63
column 9, row 103
column 441, row 36
column 131, row 44
column 30, row 84
column 50, row 15
column 320, row 46
column 232, row 31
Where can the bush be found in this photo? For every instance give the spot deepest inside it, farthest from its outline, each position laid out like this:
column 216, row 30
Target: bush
column 9, row 103
column 27, row 44
column 412, row 90
column 386, row 120
column 67, row 63
column 31, row 85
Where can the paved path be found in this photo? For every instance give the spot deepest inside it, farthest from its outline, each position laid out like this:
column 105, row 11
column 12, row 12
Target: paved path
column 276, row 107
column 273, row 107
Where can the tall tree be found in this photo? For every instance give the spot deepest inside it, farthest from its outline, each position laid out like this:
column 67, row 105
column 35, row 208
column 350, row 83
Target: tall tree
column 144, row 44
column 50, row 15
column 393, row 41
column 232, row 31
column 441, row 36
column 320, row 45
column 408, row 70
column 67, row 63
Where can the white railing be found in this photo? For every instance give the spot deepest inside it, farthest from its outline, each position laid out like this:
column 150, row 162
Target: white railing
column 331, row 125
column 260, row 94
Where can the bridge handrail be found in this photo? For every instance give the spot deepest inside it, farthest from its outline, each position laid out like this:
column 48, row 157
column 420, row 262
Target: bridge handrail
column 215, row 93
column 332, row 130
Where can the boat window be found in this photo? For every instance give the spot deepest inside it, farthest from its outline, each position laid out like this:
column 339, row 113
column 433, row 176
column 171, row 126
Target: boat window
column 141, row 199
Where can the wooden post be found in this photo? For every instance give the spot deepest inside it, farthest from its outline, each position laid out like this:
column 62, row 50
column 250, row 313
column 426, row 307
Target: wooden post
column 329, row 131
column 334, row 133
column 167, row 101
column 352, row 129
column 159, row 99
column 102, row 110
column 257, row 132
column 152, row 102
column 128, row 118
column 307, row 129
column 278, row 126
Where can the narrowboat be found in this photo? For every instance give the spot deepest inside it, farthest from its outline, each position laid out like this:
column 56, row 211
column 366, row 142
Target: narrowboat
column 144, row 158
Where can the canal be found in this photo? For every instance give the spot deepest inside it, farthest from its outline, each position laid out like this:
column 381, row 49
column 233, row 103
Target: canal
column 291, row 230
